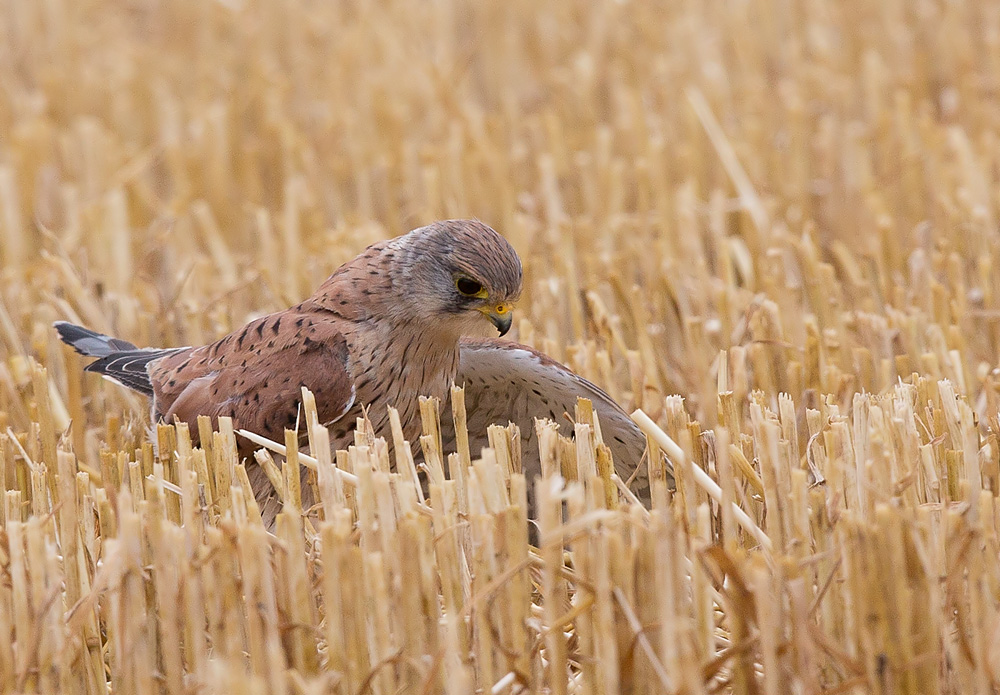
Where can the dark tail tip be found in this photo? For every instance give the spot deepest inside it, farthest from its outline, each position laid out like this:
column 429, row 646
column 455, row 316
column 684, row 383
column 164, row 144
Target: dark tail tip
column 88, row 342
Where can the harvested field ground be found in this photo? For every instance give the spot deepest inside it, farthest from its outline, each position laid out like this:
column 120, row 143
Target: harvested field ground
column 774, row 227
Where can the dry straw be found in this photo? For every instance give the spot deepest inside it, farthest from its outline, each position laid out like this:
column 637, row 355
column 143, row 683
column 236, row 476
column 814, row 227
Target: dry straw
column 768, row 229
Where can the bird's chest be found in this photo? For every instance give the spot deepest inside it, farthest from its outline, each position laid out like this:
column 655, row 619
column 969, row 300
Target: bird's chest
column 396, row 372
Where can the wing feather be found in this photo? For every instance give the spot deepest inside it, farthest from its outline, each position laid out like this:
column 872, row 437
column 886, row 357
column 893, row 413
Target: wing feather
column 255, row 376
column 505, row 381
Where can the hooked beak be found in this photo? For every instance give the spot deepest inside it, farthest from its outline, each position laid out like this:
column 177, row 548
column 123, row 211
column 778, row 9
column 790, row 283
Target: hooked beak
column 500, row 315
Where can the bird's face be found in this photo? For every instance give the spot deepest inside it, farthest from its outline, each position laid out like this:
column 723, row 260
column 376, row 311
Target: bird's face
column 465, row 276
column 472, row 296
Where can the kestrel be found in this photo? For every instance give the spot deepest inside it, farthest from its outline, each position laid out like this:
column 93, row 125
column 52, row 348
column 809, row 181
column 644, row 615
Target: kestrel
column 385, row 328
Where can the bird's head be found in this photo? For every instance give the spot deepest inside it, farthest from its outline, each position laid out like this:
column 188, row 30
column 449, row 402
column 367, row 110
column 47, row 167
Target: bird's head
column 459, row 274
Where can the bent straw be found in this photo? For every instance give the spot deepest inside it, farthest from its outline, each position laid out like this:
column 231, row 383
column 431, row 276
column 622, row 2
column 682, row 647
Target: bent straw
column 701, row 477
column 306, row 460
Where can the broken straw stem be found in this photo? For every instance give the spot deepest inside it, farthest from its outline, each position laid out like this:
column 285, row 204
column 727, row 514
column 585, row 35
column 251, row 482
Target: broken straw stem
column 306, row 460
column 675, row 452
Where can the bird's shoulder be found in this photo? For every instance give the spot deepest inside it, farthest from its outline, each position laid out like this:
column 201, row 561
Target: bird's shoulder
column 352, row 292
column 255, row 373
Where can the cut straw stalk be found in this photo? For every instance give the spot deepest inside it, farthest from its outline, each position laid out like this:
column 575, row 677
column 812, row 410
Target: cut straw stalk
column 702, row 478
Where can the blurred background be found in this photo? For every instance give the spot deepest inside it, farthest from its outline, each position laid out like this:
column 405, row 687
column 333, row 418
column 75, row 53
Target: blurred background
column 811, row 183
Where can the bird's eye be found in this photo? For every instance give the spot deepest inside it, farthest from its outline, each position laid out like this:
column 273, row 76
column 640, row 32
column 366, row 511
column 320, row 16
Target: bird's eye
column 469, row 287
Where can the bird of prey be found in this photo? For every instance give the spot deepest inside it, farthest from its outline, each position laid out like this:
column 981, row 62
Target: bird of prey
column 385, row 328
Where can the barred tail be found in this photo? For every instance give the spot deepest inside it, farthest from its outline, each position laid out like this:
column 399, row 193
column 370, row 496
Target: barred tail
column 119, row 360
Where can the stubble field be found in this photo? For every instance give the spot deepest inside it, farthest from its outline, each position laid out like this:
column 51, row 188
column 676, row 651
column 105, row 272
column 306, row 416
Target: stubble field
column 771, row 226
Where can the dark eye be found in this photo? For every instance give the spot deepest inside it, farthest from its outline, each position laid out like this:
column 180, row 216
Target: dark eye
column 468, row 287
